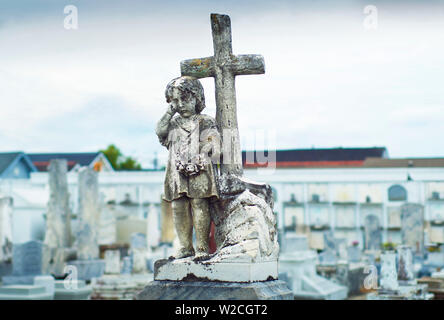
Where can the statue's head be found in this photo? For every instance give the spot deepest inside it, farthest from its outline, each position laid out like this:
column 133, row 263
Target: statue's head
column 186, row 94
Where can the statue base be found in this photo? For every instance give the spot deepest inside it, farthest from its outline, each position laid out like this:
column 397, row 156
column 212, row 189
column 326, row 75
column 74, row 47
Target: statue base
column 189, row 270
column 208, row 290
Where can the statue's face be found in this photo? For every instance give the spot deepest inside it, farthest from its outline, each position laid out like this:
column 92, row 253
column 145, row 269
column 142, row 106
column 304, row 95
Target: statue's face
column 184, row 104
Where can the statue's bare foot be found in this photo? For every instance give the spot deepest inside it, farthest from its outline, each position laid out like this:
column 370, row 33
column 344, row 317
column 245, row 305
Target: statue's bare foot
column 202, row 256
column 184, row 253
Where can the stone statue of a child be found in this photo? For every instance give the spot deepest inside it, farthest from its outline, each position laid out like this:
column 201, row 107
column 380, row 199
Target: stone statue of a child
column 193, row 142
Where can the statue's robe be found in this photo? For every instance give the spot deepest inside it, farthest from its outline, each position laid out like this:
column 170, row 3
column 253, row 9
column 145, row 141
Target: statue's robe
column 187, row 138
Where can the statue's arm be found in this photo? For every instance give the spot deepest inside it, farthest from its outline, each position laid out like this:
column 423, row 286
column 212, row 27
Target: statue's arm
column 163, row 127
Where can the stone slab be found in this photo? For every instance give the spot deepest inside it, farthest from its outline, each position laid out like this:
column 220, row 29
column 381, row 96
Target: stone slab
column 207, row 290
column 119, row 287
column 188, row 270
column 77, row 290
column 24, row 292
column 19, row 280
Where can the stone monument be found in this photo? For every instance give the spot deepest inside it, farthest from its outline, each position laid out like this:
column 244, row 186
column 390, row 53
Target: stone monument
column 372, row 233
column 398, row 282
column 412, row 227
column 297, row 265
column 29, row 260
column 88, row 263
column 241, row 210
column 58, row 218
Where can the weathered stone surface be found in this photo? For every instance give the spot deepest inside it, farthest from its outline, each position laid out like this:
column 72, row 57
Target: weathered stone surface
column 389, row 275
column 179, row 290
column 46, row 281
column 88, row 269
column 224, row 67
column 24, row 292
column 72, row 290
column 405, row 264
column 30, row 259
column 112, row 261
column 247, row 232
column 87, row 243
column 242, row 210
column 58, row 231
column 119, row 287
column 412, row 227
column 189, row 270
column 372, row 233
column 297, row 265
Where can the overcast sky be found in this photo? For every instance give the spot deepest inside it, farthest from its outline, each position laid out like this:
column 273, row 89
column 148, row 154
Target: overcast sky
column 329, row 81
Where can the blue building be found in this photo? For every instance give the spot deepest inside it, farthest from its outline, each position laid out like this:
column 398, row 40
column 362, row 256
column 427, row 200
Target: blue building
column 15, row 165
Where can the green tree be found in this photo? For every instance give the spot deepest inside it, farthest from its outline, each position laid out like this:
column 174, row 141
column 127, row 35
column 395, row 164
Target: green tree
column 113, row 154
column 130, row 164
column 118, row 160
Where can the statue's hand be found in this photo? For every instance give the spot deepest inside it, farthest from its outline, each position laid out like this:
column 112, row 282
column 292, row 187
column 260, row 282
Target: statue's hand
column 171, row 110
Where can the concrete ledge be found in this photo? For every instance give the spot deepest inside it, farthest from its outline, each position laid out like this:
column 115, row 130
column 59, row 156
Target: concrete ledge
column 199, row 290
column 188, row 270
column 24, row 292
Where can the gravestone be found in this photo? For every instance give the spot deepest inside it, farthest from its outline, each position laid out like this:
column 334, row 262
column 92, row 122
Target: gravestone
column 29, row 260
column 412, row 227
column 138, row 241
column 58, row 218
column 88, row 264
column 330, row 254
column 436, row 233
column 127, row 266
column 112, row 262
column 354, row 254
column 389, row 276
column 138, row 253
column 89, row 215
column 398, row 283
column 405, row 265
column 297, row 264
column 245, row 225
column 152, row 232
column 372, row 233
column 5, row 236
column 108, row 225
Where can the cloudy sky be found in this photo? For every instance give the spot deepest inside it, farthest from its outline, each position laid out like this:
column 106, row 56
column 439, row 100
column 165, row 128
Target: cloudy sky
column 329, row 81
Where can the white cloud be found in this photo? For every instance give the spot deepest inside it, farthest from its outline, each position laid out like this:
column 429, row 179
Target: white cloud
column 328, row 81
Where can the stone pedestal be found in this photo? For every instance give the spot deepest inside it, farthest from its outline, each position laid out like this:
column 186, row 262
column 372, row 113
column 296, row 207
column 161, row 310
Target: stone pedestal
column 187, row 269
column 88, row 269
column 77, row 290
column 207, row 290
column 24, row 292
column 119, row 287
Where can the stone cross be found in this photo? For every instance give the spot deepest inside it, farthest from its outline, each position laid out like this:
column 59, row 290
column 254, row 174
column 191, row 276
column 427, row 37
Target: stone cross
column 224, row 67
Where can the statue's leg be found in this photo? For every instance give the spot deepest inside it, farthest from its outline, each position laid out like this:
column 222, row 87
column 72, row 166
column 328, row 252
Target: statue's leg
column 183, row 223
column 202, row 221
